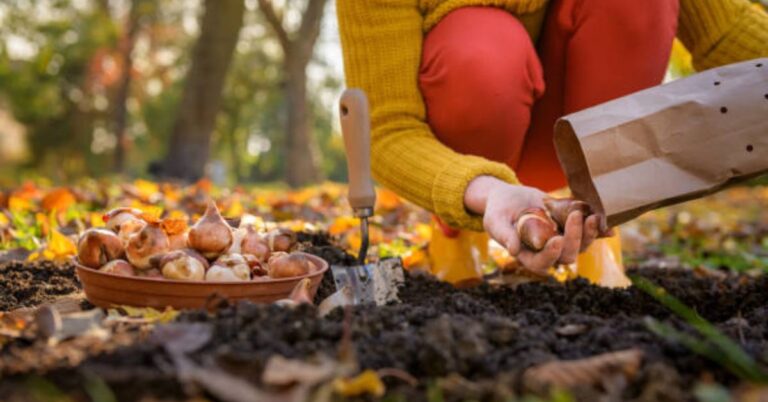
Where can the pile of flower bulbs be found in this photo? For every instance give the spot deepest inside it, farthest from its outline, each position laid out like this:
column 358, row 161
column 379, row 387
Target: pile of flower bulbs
column 134, row 244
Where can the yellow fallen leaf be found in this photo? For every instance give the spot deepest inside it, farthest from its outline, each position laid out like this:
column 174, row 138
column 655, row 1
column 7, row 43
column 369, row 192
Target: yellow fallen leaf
column 367, row 382
column 97, row 219
column 19, row 204
column 146, row 188
column 235, row 208
column 415, row 259
column 4, row 220
column 151, row 212
column 59, row 248
column 149, row 314
column 423, row 233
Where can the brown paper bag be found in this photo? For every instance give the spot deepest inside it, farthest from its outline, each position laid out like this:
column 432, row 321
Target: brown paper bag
column 670, row 143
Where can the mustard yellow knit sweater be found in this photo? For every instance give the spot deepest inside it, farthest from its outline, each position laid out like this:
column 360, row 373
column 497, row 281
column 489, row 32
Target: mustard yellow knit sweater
column 382, row 42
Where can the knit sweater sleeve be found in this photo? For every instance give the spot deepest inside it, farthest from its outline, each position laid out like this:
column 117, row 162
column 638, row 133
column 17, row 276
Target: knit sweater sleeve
column 719, row 32
column 382, row 42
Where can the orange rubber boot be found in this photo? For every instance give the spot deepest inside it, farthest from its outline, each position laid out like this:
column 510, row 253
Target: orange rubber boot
column 602, row 263
column 457, row 256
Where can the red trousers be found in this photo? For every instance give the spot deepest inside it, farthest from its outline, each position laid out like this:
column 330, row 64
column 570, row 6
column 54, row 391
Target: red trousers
column 490, row 93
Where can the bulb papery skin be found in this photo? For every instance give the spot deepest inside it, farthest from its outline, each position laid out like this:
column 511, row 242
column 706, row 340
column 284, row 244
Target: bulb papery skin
column 130, row 227
column 281, row 240
column 211, row 235
column 184, row 268
column 236, row 263
column 258, row 268
column 178, row 241
column 144, row 245
column 288, row 266
column 97, row 247
column 300, row 293
column 219, row 273
column 535, row 228
column 151, row 273
column 118, row 267
column 237, row 239
column 255, row 244
column 194, row 254
column 560, row 208
column 115, row 218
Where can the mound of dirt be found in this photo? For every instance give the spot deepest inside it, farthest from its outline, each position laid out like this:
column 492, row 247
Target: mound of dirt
column 477, row 341
column 27, row 284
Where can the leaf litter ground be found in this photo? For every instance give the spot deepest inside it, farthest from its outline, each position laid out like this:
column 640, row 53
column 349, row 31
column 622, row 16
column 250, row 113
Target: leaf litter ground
column 471, row 344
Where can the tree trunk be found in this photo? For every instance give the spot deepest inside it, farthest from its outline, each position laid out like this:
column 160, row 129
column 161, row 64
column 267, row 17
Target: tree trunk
column 124, row 89
column 302, row 161
column 190, row 143
column 300, row 145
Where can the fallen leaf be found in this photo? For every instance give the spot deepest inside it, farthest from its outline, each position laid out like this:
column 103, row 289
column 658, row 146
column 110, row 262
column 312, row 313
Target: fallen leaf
column 58, row 200
column 59, row 248
column 182, row 337
column 367, row 382
column 146, row 189
column 571, row 329
column 144, row 314
column 280, row 371
column 343, row 224
column 387, row 199
column 590, row 371
column 340, row 298
column 174, row 226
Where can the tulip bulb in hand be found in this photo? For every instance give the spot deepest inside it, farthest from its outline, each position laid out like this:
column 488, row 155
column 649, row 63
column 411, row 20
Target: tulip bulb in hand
column 560, row 208
column 535, row 228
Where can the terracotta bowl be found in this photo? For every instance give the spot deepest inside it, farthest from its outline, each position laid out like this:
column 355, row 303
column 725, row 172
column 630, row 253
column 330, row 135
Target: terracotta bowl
column 109, row 290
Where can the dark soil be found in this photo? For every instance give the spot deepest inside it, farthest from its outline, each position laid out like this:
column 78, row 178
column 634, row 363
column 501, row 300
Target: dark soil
column 27, row 284
column 486, row 335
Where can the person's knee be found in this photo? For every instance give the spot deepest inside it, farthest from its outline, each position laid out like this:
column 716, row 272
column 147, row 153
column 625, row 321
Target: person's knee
column 494, row 65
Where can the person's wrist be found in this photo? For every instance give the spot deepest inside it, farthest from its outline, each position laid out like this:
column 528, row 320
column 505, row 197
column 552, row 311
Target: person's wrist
column 476, row 194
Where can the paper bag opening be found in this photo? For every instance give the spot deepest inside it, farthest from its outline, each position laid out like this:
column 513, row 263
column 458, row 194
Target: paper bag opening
column 670, row 143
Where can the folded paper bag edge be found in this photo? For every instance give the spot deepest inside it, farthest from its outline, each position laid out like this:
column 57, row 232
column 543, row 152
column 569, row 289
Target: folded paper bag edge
column 571, row 131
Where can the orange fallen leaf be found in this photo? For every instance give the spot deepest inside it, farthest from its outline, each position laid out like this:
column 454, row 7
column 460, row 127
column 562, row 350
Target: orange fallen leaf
column 174, row 226
column 205, row 185
column 387, row 199
column 343, row 224
column 58, row 200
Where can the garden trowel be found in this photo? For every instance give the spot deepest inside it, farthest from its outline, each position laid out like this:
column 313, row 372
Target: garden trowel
column 362, row 283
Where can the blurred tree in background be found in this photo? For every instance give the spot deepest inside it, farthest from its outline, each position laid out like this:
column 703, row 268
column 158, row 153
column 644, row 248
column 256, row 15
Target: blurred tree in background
column 189, row 148
column 100, row 86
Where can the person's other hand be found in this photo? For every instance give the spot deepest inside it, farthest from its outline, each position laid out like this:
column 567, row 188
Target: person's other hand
column 501, row 203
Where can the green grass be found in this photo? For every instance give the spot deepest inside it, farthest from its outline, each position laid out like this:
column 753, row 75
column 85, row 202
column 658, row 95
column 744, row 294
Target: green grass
column 711, row 344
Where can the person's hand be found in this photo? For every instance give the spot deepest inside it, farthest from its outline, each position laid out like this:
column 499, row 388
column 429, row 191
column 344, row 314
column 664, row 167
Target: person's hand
column 500, row 204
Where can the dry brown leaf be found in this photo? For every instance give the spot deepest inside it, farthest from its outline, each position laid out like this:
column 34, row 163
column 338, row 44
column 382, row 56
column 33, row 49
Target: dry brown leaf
column 281, row 371
column 591, row 371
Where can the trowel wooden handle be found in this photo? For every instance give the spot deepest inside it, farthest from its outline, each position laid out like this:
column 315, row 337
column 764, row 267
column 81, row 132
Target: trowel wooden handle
column 356, row 129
